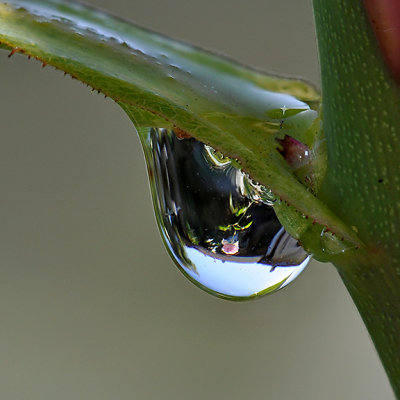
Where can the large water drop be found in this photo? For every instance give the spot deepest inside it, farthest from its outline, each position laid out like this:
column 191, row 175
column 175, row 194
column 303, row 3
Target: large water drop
column 218, row 225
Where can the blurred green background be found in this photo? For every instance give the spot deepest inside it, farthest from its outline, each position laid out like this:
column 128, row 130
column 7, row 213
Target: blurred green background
column 91, row 307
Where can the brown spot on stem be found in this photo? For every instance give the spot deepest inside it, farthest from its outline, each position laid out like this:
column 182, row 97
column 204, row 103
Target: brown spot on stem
column 181, row 134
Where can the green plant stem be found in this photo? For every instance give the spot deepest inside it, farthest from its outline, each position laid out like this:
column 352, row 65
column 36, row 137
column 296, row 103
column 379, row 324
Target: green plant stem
column 375, row 288
column 361, row 106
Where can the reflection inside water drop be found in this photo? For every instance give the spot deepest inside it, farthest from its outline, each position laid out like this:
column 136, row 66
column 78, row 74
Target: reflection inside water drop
column 218, row 225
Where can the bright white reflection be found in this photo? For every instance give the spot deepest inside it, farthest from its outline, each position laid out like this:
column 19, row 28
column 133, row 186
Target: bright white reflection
column 240, row 279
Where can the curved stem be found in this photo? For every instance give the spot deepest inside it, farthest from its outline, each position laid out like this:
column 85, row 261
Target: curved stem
column 165, row 83
column 361, row 103
column 375, row 290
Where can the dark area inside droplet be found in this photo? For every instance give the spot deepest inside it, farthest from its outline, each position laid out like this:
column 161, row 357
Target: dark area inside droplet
column 201, row 200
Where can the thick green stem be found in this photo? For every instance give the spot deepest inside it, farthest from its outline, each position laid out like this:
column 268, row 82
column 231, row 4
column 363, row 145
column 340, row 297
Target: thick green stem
column 361, row 106
column 375, row 291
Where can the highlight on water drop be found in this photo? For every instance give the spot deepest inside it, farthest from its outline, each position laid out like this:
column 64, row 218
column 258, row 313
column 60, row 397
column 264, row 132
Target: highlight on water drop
column 218, row 225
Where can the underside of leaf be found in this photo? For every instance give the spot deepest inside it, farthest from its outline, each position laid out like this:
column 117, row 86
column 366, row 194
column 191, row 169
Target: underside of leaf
column 162, row 82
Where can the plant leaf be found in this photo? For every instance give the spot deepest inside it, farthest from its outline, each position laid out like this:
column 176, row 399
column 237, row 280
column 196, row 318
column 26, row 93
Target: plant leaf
column 161, row 82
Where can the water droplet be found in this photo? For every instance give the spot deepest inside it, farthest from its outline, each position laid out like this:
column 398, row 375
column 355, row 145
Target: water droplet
column 333, row 245
column 218, row 225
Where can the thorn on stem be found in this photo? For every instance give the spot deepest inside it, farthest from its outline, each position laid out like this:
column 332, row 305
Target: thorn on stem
column 12, row 52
